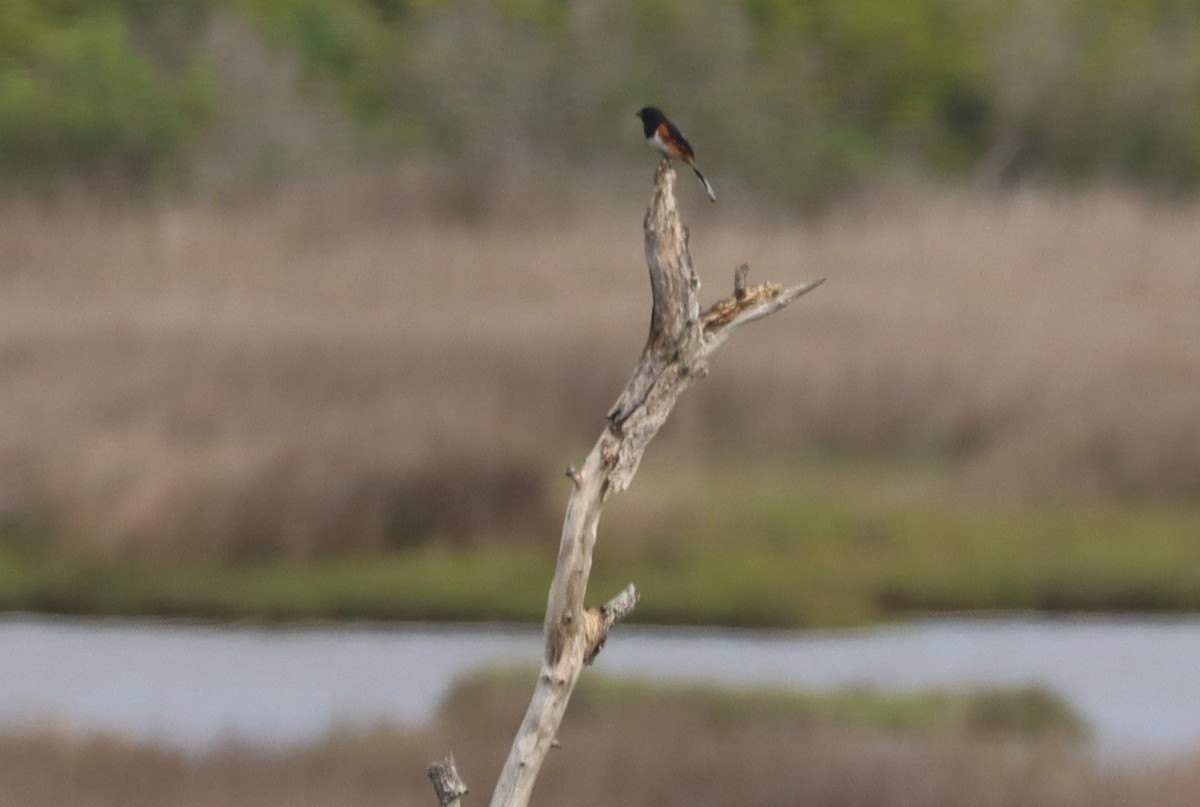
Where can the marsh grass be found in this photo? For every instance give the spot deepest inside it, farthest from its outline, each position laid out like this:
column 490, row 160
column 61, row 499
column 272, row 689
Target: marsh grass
column 1024, row 713
column 739, row 543
column 619, row 744
column 333, row 371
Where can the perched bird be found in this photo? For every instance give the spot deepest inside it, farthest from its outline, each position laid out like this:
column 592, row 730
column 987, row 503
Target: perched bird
column 663, row 135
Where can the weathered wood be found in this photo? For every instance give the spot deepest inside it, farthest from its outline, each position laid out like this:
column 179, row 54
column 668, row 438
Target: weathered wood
column 446, row 782
column 676, row 354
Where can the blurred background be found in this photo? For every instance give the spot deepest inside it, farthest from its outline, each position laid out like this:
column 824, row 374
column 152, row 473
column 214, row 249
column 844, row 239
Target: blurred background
column 306, row 304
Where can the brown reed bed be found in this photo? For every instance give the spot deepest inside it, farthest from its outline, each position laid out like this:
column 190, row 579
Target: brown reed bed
column 335, row 369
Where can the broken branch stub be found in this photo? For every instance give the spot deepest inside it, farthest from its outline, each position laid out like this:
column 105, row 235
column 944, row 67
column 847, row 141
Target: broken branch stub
column 446, row 782
column 676, row 354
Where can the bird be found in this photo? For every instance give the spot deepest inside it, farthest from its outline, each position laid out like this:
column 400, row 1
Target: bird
column 664, row 136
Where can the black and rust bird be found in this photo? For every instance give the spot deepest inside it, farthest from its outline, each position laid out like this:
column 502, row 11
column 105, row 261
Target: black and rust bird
column 664, row 136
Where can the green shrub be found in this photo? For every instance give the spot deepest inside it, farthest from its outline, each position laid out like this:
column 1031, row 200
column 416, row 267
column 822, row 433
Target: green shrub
column 76, row 96
column 802, row 98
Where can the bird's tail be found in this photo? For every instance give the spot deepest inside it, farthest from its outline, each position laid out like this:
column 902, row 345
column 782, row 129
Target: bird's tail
column 707, row 187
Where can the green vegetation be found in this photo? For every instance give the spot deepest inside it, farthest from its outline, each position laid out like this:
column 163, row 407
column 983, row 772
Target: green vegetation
column 804, row 98
column 753, row 546
column 79, row 96
column 1021, row 712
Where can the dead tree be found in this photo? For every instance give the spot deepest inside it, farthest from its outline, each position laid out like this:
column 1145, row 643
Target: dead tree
column 676, row 355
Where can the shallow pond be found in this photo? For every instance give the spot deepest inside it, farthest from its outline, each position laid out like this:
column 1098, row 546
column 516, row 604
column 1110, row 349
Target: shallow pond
column 1136, row 681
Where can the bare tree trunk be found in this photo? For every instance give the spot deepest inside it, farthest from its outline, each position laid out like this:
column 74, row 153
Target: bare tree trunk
column 676, row 355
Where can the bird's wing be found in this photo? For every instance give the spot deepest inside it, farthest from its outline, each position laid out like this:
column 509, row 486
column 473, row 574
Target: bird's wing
column 676, row 137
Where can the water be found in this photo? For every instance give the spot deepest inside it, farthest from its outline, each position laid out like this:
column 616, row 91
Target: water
column 1136, row 681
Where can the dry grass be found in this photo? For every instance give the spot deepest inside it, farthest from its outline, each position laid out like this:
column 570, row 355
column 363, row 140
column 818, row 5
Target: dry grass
column 637, row 756
column 311, row 373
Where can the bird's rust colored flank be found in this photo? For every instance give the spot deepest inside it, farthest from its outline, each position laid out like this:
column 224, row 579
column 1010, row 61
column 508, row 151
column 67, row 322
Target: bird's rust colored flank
column 724, row 311
column 674, row 142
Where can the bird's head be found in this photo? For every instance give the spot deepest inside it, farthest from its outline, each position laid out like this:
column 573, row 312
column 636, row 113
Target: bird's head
column 649, row 114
